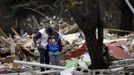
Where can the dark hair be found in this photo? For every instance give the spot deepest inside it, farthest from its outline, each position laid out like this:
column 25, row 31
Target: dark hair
column 49, row 30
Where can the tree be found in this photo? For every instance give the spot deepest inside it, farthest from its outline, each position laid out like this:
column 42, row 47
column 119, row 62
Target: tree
column 87, row 15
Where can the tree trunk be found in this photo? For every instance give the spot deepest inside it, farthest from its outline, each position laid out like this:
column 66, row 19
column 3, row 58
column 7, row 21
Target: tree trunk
column 89, row 20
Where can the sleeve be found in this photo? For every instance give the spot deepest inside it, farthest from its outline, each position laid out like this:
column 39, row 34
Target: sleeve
column 36, row 37
column 60, row 45
column 48, row 44
column 59, row 41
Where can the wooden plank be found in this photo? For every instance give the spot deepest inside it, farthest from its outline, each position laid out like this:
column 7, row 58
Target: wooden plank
column 4, row 40
column 2, row 32
column 15, row 32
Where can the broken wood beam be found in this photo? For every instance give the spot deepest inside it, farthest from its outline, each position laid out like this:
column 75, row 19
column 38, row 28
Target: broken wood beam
column 3, row 33
column 15, row 31
column 3, row 39
column 40, row 65
column 25, row 53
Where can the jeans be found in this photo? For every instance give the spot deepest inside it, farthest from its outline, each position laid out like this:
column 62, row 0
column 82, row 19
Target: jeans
column 54, row 58
column 44, row 57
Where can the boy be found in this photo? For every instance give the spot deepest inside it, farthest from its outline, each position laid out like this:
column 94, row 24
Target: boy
column 54, row 47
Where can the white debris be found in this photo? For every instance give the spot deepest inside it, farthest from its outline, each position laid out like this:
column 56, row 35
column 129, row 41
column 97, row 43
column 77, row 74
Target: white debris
column 67, row 71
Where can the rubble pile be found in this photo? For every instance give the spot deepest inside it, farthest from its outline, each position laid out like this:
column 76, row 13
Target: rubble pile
column 16, row 48
column 119, row 47
column 74, row 53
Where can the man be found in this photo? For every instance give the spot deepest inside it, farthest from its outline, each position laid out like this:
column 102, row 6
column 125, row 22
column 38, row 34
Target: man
column 40, row 40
